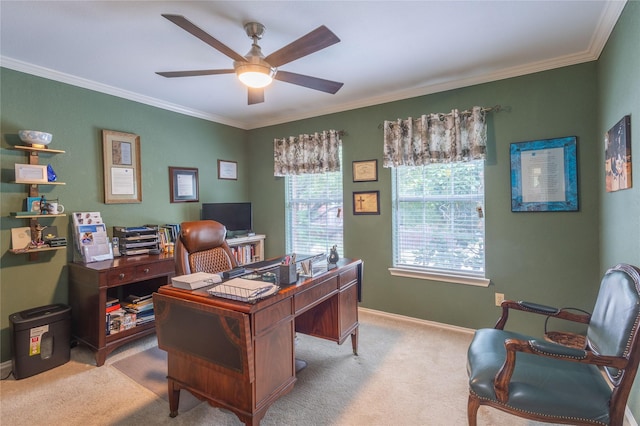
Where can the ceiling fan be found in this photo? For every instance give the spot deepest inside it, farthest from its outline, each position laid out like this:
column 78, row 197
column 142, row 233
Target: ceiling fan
column 254, row 69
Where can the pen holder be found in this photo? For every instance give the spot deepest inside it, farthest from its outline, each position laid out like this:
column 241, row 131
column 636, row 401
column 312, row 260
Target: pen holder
column 288, row 274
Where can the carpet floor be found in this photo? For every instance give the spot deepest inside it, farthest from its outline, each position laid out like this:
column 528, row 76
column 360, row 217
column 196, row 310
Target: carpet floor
column 149, row 369
column 408, row 372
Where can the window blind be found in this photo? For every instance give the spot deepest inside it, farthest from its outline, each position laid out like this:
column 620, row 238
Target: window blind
column 438, row 224
column 313, row 205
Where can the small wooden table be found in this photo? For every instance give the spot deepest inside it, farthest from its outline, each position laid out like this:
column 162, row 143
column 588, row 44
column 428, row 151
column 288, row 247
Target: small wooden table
column 91, row 283
column 240, row 356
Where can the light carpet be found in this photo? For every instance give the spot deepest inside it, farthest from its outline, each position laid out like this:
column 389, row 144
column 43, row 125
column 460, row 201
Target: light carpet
column 149, row 369
column 407, row 373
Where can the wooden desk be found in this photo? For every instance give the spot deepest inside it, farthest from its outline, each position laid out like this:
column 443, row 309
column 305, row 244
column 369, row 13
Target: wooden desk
column 240, row 356
column 90, row 284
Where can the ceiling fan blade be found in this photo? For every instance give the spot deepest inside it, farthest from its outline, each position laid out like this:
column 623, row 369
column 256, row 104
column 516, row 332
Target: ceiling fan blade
column 193, row 29
column 256, row 96
column 193, row 73
column 327, row 86
column 316, row 40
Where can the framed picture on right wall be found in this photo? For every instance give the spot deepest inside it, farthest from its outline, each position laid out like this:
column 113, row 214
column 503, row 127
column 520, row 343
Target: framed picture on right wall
column 617, row 156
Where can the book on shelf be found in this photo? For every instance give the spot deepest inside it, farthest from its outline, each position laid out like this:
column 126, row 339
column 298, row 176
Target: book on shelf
column 146, row 314
column 195, row 280
column 120, row 320
column 132, row 298
column 138, row 307
column 114, row 307
column 145, row 317
column 244, row 254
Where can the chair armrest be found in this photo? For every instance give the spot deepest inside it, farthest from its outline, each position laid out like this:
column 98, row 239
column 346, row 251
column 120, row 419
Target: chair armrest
column 535, row 308
column 550, row 350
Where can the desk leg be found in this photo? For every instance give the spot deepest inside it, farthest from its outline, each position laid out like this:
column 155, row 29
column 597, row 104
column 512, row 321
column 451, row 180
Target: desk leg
column 101, row 357
column 174, row 397
column 354, row 341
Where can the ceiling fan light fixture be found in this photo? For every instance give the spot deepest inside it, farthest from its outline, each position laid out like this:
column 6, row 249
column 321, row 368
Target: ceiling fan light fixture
column 255, row 75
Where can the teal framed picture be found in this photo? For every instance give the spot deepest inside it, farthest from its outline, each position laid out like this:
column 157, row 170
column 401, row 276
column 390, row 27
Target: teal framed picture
column 544, row 175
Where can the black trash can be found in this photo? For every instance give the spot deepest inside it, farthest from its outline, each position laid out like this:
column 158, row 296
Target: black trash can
column 40, row 339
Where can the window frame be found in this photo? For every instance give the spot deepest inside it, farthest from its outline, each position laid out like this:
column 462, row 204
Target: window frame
column 423, row 272
column 332, row 202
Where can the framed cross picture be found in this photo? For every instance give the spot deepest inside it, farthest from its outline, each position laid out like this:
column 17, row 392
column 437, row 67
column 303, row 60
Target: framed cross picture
column 366, row 202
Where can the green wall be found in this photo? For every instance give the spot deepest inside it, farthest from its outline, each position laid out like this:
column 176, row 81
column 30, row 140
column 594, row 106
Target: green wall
column 554, row 258
column 76, row 117
column 619, row 95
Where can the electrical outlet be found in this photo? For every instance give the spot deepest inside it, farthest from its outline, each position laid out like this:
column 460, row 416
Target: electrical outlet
column 499, row 298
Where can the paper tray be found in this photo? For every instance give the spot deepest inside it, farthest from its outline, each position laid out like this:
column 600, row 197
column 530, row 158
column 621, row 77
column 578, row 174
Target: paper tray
column 244, row 290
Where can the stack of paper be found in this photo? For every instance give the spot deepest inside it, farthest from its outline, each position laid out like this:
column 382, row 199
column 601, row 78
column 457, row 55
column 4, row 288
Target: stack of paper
column 244, row 290
column 195, row 280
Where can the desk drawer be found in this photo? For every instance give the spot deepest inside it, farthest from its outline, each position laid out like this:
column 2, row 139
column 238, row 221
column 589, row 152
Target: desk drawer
column 119, row 276
column 349, row 276
column 154, row 269
column 315, row 294
column 270, row 316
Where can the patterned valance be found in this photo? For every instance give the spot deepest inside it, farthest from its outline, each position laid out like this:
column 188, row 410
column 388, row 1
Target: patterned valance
column 316, row 153
column 436, row 138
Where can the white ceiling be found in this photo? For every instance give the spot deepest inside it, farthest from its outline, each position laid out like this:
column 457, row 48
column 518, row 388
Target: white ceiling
column 389, row 50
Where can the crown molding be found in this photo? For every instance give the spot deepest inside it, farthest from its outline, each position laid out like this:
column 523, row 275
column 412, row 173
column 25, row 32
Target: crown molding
column 73, row 80
column 605, row 26
column 503, row 74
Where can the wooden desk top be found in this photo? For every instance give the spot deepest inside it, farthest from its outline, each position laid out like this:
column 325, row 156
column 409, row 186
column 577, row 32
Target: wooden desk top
column 202, row 296
column 122, row 261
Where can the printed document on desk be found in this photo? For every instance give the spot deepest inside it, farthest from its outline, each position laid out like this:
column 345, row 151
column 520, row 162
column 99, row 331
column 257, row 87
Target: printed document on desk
column 195, row 280
column 244, row 290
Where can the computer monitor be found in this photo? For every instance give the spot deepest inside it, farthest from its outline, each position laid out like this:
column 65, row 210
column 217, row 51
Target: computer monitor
column 236, row 217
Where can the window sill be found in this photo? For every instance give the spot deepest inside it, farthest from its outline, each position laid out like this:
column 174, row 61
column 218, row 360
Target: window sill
column 450, row 278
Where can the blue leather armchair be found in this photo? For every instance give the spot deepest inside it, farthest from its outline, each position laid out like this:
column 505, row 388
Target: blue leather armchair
column 548, row 382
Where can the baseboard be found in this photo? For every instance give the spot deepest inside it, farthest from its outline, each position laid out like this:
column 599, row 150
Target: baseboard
column 417, row 320
column 5, row 369
column 628, row 415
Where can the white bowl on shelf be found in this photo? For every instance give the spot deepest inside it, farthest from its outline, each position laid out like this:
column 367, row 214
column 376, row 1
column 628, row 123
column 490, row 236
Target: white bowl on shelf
column 35, row 137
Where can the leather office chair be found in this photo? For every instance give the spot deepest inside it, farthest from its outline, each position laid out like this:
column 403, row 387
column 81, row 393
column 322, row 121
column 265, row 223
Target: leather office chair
column 548, row 382
column 201, row 247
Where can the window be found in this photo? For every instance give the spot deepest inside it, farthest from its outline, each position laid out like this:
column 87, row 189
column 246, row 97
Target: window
column 438, row 221
column 314, row 212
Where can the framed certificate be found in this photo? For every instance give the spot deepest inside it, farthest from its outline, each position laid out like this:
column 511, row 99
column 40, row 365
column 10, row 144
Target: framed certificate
column 227, row 170
column 366, row 202
column 183, row 184
column 544, row 175
column 365, row 171
column 122, row 167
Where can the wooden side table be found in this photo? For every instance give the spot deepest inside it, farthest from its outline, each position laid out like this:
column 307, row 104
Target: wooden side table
column 91, row 284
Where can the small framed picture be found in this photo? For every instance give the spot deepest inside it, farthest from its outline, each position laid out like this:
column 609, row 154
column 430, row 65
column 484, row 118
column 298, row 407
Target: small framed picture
column 365, row 171
column 33, row 205
column 227, row 170
column 183, row 184
column 617, row 156
column 31, row 173
column 366, row 202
